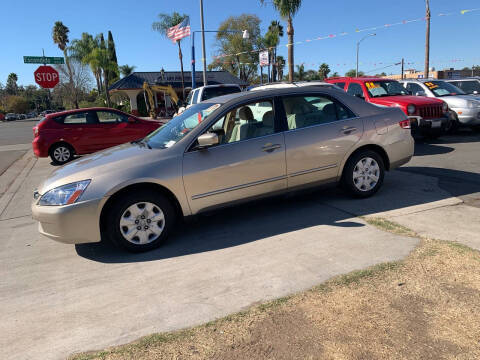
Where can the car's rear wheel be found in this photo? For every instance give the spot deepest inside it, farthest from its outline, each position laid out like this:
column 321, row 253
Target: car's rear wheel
column 140, row 221
column 61, row 153
column 363, row 173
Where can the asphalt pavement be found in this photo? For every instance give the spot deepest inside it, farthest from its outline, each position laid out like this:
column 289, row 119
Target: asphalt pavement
column 15, row 139
column 58, row 299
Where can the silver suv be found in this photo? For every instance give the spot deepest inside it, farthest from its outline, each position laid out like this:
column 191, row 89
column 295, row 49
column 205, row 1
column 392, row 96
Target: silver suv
column 466, row 108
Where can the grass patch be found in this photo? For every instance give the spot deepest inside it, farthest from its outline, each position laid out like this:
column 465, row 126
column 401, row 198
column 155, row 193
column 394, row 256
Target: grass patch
column 356, row 276
column 390, row 226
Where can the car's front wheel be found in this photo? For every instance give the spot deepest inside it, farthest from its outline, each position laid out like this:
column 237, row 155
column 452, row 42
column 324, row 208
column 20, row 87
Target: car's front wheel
column 61, row 153
column 363, row 173
column 140, row 221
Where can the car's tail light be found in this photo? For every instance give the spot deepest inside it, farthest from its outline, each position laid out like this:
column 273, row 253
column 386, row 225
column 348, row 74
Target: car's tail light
column 405, row 124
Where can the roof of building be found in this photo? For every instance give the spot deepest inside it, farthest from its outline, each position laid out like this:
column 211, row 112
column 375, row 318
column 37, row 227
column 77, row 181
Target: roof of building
column 136, row 79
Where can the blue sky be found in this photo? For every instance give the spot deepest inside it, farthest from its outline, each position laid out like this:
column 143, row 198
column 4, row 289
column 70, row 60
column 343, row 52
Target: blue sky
column 27, row 29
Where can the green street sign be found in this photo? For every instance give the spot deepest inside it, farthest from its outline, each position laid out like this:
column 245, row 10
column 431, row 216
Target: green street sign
column 43, row 60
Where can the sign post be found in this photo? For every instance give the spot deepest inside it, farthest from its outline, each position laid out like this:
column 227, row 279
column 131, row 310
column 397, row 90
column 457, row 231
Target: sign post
column 264, row 59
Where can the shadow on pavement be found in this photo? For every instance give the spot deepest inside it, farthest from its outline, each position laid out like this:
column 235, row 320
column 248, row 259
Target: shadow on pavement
column 265, row 218
column 423, row 149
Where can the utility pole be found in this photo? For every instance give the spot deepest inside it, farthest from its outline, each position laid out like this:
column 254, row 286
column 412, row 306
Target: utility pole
column 427, row 40
column 204, row 58
column 358, row 49
column 402, row 67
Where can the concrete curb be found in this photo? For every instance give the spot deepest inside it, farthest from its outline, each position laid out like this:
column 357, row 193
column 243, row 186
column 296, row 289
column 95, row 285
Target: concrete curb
column 13, row 178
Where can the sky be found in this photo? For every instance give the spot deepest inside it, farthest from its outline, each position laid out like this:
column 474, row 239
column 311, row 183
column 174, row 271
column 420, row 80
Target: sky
column 26, row 30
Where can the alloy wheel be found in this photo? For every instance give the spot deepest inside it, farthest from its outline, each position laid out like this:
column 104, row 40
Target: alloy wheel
column 366, row 174
column 61, row 154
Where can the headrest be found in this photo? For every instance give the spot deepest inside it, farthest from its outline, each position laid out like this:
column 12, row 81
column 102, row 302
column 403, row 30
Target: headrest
column 268, row 119
column 246, row 113
column 329, row 109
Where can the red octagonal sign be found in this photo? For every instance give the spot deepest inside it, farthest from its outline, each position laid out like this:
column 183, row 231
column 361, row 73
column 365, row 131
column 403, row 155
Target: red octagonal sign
column 46, row 76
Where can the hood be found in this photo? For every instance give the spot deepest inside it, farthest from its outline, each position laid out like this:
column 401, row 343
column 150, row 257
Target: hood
column 404, row 100
column 106, row 161
column 455, row 101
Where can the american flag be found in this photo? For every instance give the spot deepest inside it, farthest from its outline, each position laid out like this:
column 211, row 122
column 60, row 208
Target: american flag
column 179, row 31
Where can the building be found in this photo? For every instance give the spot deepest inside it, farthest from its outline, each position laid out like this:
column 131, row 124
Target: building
column 131, row 87
column 435, row 74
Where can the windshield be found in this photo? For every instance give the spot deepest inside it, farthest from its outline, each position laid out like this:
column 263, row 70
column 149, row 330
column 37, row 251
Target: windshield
column 442, row 88
column 173, row 131
column 212, row 92
column 385, row 88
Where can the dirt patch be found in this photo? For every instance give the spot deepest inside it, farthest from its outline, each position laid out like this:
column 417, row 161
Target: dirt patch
column 425, row 307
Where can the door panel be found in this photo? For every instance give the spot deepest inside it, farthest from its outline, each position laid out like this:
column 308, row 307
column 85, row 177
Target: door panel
column 234, row 171
column 315, row 153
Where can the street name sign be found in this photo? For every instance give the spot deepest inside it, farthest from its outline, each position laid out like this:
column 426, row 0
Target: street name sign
column 43, row 60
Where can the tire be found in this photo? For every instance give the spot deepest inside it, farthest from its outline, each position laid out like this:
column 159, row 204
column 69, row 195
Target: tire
column 61, row 153
column 359, row 183
column 148, row 216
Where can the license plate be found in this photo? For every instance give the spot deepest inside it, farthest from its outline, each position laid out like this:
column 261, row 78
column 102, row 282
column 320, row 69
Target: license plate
column 436, row 124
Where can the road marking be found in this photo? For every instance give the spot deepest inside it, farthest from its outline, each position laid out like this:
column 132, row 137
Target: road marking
column 16, row 147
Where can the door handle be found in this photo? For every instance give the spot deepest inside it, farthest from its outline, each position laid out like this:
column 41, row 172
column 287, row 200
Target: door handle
column 348, row 130
column 270, row 147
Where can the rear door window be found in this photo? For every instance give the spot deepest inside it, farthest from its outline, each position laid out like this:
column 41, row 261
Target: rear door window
column 355, row 89
column 110, row 117
column 80, row 118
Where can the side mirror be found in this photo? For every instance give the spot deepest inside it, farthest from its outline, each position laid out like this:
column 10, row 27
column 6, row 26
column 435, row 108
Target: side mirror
column 420, row 93
column 131, row 120
column 207, row 140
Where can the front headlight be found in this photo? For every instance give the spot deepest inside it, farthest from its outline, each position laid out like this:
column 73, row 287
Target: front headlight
column 65, row 194
column 411, row 109
column 445, row 107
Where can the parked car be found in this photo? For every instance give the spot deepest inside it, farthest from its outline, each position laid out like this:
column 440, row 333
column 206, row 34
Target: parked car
column 218, row 153
column 429, row 117
column 31, row 115
column 466, row 107
column 470, row 86
column 64, row 134
column 2, row 116
column 22, row 116
column 207, row 92
column 11, row 117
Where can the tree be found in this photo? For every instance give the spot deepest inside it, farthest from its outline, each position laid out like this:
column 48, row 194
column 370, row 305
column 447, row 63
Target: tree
column 60, row 37
column 323, row 71
column 12, row 88
column 112, row 55
column 17, row 104
column 427, row 39
column 167, row 21
column 300, row 75
column 287, row 10
column 100, row 58
column 126, row 69
column 81, row 49
column 352, row 72
column 241, row 60
column 335, row 74
column 71, row 93
column 280, row 65
column 272, row 39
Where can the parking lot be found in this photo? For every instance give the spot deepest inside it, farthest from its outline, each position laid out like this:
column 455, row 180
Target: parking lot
column 58, row 299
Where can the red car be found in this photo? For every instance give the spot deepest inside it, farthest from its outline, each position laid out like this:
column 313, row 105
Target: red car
column 429, row 118
column 64, row 134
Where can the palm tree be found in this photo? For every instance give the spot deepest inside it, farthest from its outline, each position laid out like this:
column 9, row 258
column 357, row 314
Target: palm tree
column 301, row 72
column 167, row 21
column 323, row 71
column 126, row 69
column 287, row 10
column 280, row 64
column 80, row 50
column 100, row 59
column 60, row 37
column 427, row 40
column 272, row 39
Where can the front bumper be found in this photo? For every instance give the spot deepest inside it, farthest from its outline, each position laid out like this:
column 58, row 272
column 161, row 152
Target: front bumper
column 71, row 224
column 417, row 122
column 468, row 116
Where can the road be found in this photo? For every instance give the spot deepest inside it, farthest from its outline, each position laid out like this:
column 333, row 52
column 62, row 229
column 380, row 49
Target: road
column 58, row 299
column 15, row 139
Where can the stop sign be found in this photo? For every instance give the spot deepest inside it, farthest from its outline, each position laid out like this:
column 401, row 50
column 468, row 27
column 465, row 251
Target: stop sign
column 46, row 76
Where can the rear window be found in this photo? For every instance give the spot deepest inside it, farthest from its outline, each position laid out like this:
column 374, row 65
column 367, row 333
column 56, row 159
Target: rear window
column 209, row 93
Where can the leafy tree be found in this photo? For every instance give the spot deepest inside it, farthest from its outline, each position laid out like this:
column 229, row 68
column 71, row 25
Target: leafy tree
column 381, row 74
column 335, row 74
column 126, row 69
column 60, row 37
column 287, row 10
column 351, row 73
column 17, row 104
column 300, row 74
column 12, row 88
column 323, row 71
column 100, row 58
column 112, row 54
column 68, row 93
column 241, row 60
column 167, row 21
column 272, row 39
